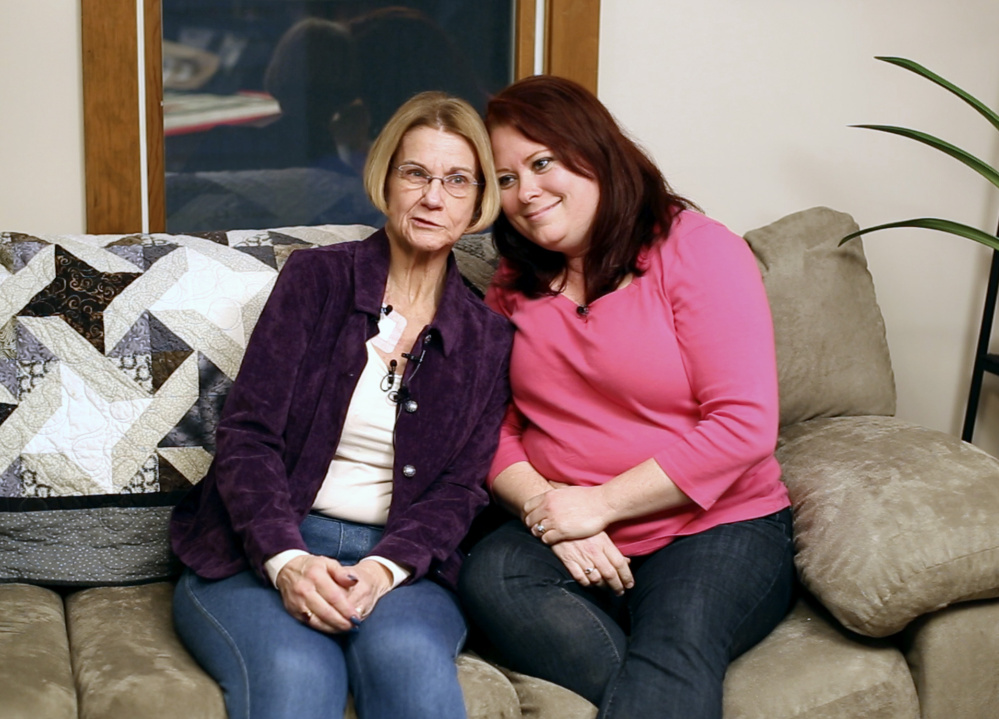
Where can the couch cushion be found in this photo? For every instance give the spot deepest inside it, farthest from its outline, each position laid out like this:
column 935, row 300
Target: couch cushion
column 540, row 699
column 891, row 520
column 36, row 677
column 488, row 693
column 141, row 669
column 129, row 662
column 954, row 658
column 832, row 355
column 117, row 353
column 809, row 667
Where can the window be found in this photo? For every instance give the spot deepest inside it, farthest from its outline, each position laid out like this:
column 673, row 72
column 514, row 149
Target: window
column 129, row 190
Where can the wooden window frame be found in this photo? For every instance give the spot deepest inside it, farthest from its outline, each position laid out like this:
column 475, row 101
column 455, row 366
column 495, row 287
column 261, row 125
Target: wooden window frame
column 112, row 117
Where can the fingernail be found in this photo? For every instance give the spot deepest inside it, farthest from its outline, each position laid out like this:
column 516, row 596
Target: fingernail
column 352, row 577
column 355, row 620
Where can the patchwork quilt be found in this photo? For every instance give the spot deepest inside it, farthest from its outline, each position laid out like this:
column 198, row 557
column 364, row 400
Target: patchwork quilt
column 116, row 354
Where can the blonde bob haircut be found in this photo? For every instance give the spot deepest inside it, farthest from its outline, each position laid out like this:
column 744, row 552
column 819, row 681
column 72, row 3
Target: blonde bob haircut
column 444, row 112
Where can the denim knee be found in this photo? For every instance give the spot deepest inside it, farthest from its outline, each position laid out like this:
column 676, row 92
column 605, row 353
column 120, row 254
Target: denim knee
column 402, row 658
column 266, row 663
column 540, row 620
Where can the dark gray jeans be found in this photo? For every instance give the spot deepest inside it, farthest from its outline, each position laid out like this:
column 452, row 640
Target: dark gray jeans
column 661, row 650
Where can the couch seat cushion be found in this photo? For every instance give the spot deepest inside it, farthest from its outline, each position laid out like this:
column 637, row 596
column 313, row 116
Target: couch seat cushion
column 891, row 520
column 36, row 678
column 810, row 667
column 130, row 663
column 540, row 699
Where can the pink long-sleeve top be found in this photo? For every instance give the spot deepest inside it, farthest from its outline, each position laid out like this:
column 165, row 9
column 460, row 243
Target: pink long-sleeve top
column 679, row 366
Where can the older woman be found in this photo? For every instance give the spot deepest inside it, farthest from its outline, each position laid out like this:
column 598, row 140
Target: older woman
column 321, row 549
column 654, row 541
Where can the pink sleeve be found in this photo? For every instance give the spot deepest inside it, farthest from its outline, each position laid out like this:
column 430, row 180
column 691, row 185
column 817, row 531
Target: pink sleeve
column 725, row 334
column 510, row 450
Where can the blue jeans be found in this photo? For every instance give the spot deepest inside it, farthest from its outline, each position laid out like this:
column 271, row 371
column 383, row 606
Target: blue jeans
column 663, row 648
column 398, row 663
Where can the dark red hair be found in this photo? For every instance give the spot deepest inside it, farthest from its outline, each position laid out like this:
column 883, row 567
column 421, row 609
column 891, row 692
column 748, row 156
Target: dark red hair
column 636, row 205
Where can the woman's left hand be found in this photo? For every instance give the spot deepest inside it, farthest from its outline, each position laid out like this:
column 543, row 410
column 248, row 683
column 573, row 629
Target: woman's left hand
column 567, row 513
column 596, row 561
column 374, row 581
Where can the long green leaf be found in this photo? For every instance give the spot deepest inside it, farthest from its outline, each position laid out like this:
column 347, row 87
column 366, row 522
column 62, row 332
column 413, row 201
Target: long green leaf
column 982, row 168
column 915, row 67
column 934, row 223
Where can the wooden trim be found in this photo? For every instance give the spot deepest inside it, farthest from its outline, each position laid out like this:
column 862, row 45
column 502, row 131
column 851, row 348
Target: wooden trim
column 523, row 65
column 155, row 151
column 573, row 44
column 111, row 116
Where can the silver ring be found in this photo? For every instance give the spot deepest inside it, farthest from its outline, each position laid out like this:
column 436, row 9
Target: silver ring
column 588, row 570
column 541, row 529
column 307, row 616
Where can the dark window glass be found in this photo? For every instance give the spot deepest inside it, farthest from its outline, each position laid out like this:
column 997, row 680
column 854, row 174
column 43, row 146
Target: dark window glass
column 270, row 105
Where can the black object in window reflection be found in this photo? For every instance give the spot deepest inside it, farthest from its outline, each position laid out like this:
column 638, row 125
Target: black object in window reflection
column 337, row 70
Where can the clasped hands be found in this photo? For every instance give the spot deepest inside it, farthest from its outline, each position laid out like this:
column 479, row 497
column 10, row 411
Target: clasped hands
column 328, row 596
column 571, row 520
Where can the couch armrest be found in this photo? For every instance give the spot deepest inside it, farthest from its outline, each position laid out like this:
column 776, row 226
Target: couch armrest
column 954, row 655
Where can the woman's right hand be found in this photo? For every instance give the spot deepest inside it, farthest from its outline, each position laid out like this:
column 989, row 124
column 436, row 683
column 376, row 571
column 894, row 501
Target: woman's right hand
column 315, row 590
column 608, row 567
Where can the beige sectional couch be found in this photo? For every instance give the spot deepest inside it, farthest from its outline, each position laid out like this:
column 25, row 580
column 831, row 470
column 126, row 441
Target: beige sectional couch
column 116, row 356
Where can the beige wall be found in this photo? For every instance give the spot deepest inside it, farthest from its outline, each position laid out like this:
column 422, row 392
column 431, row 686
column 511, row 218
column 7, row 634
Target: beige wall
column 745, row 105
column 41, row 117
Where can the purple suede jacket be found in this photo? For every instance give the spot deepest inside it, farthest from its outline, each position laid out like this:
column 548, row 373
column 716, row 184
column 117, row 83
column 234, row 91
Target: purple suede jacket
column 283, row 418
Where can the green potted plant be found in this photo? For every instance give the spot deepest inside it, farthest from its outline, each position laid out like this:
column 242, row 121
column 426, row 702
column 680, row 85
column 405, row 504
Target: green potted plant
column 983, row 168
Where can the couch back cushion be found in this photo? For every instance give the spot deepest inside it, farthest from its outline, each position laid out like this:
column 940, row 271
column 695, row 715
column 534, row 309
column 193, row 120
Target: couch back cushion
column 832, row 355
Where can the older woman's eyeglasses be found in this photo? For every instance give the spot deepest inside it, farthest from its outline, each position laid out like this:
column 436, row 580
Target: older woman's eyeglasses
column 458, row 184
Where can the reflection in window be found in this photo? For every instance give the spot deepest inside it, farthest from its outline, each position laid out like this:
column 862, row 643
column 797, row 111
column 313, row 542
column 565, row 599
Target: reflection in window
column 270, row 105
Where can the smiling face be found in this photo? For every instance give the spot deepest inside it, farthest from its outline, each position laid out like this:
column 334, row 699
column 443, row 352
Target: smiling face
column 544, row 200
column 427, row 219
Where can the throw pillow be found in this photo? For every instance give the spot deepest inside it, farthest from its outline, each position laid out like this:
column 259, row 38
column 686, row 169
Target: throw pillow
column 891, row 520
column 832, row 355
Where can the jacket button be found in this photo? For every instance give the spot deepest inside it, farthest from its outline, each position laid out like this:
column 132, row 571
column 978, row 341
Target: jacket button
column 409, row 471
column 411, row 405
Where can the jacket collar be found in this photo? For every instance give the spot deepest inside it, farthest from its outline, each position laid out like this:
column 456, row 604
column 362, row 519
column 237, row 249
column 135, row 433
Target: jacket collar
column 371, row 262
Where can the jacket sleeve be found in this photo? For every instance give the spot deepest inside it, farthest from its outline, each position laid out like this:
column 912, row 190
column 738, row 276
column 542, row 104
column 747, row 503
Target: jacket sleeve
column 250, row 471
column 509, row 450
column 438, row 520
